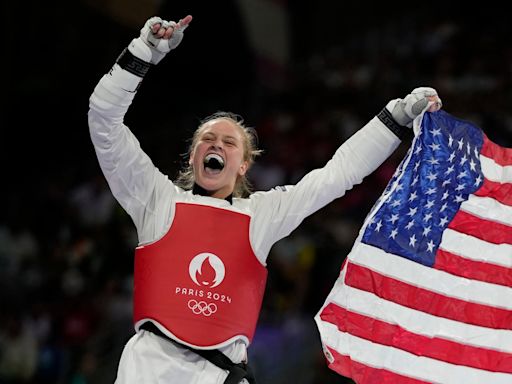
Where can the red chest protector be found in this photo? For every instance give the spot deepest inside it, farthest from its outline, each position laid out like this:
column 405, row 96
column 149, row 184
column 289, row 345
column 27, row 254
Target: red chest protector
column 201, row 281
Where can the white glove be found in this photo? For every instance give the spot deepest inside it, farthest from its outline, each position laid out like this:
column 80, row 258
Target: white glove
column 152, row 46
column 421, row 99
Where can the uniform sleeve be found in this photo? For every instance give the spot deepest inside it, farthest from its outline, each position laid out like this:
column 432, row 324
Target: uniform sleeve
column 139, row 187
column 279, row 211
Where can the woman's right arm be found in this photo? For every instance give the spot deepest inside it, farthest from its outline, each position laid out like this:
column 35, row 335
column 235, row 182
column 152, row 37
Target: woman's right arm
column 139, row 187
column 129, row 171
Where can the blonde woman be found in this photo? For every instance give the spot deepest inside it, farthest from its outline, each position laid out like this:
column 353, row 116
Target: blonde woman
column 200, row 267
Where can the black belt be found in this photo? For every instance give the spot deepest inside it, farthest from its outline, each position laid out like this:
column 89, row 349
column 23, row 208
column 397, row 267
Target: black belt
column 237, row 372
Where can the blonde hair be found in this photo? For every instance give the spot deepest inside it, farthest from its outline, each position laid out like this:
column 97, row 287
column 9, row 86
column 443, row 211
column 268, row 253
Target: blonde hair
column 243, row 186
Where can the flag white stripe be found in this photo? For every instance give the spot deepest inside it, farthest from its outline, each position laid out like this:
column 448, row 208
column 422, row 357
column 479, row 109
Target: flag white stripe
column 405, row 363
column 369, row 304
column 433, row 280
column 488, row 209
column 495, row 172
column 469, row 247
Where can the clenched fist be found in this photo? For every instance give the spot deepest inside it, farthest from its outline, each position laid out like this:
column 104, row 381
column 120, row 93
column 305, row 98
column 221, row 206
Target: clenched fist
column 157, row 38
column 421, row 99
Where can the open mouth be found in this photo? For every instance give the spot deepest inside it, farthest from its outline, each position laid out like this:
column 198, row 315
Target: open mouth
column 213, row 163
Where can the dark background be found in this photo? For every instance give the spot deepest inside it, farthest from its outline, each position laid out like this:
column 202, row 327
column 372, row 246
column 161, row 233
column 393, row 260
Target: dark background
column 66, row 247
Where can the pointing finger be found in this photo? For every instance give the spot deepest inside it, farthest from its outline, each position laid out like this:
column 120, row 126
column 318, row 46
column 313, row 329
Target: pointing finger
column 185, row 21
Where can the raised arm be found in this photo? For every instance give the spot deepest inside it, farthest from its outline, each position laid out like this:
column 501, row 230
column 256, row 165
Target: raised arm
column 281, row 210
column 132, row 177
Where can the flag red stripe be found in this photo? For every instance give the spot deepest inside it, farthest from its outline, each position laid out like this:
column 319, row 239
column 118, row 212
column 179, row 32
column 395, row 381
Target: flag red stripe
column 501, row 192
column 427, row 301
column 472, row 269
column 392, row 335
column 365, row 374
column 501, row 155
column 486, row 230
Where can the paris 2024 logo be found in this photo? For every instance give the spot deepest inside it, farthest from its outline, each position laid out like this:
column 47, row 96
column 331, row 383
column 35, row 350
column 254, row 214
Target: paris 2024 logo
column 207, row 271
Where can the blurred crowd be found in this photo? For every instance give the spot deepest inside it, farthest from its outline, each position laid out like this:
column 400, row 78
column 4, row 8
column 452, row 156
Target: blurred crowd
column 66, row 246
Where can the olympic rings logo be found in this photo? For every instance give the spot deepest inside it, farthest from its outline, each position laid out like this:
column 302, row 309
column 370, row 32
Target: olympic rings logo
column 202, row 307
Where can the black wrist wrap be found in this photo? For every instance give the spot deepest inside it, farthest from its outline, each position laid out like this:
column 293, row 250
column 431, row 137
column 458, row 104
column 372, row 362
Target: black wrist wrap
column 133, row 64
column 399, row 130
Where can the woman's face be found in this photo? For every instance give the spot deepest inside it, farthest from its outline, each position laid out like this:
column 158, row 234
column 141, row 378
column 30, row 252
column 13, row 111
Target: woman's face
column 218, row 157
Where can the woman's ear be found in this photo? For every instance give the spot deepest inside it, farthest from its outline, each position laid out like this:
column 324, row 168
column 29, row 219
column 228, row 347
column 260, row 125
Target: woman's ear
column 243, row 168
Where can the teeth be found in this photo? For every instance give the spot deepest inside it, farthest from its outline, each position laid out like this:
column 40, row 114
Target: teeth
column 213, row 156
column 214, row 161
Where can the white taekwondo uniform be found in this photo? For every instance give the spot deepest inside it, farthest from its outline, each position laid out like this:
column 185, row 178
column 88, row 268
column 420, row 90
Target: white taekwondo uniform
column 150, row 198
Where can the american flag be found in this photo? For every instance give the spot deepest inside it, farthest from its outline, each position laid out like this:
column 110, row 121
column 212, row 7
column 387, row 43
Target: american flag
column 425, row 295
